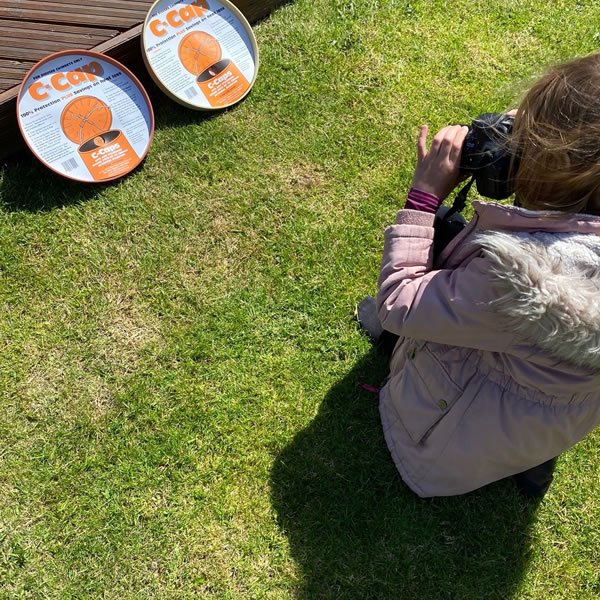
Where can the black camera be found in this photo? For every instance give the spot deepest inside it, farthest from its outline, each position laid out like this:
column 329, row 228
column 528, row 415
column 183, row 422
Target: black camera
column 486, row 156
column 487, row 160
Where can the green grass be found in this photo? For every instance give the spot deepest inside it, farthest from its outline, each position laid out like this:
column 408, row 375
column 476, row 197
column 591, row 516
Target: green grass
column 179, row 415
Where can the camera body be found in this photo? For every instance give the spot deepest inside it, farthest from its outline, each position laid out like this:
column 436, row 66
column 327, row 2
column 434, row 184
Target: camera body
column 485, row 155
column 486, row 158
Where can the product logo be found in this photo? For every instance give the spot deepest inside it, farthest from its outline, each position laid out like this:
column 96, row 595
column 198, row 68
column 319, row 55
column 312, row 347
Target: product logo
column 106, row 150
column 177, row 17
column 63, row 81
column 227, row 75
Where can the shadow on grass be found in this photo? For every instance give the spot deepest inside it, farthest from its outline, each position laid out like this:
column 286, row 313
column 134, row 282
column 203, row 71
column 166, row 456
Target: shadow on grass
column 357, row 531
column 27, row 185
column 170, row 114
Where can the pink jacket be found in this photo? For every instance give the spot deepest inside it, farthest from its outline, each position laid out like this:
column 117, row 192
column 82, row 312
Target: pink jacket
column 498, row 365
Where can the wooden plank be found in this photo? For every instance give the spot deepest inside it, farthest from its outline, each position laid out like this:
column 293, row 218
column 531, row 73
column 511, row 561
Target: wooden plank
column 44, row 28
column 27, row 44
column 33, row 54
column 7, row 81
column 15, row 65
column 77, row 8
column 64, row 37
column 68, row 40
column 13, row 74
column 10, row 76
column 143, row 5
column 53, row 12
column 74, row 6
column 62, row 17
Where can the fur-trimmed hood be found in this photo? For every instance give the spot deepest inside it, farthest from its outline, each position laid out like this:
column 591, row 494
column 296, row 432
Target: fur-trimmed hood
column 549, row 290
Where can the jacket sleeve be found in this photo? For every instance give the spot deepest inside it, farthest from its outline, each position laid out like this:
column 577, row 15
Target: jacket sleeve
column 448, row 306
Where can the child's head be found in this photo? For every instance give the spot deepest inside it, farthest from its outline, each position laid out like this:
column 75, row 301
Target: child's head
column 557, row 135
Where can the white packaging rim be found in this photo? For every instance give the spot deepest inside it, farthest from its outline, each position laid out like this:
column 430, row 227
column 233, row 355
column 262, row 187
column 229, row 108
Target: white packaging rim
column 113, row 62
column 161, row 84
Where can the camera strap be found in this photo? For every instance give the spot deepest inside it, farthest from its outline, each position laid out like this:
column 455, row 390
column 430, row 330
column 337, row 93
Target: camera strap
column 461, row 199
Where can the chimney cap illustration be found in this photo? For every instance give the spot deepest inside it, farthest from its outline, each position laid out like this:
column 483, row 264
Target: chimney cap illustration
column 199, row 50
column 85, row 118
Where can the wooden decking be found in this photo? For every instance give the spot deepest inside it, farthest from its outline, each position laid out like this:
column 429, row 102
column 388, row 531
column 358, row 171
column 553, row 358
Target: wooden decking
column 33, row 29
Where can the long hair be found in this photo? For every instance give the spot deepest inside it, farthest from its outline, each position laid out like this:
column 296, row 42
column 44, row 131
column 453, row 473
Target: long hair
column 556, row 136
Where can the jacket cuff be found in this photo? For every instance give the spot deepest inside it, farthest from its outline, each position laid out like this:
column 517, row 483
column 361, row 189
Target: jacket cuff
column 414, row 217
column 420, row 200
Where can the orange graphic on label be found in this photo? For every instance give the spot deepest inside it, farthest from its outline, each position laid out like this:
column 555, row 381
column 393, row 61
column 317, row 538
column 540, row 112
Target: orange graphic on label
column 220, row 80
column 223, row 83
column 85, row 117
column 197, row 51
column 107, row 154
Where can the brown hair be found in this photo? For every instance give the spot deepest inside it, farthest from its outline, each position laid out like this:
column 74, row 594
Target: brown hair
column 557, row 138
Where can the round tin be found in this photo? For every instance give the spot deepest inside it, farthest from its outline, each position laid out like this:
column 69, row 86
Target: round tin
column 85, row 116
column 201, row 53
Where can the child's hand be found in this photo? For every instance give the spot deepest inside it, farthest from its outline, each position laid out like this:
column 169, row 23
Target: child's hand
column 437, row 171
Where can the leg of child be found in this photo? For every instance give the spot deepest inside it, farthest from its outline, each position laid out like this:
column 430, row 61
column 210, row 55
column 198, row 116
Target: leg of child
column 534, row 483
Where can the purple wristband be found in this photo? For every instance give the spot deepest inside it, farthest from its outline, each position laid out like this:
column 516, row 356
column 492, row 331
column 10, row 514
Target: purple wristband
column 423, row 201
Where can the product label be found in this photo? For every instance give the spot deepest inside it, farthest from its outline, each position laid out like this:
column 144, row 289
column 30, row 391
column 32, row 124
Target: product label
column 84, row 117
column 200, row 51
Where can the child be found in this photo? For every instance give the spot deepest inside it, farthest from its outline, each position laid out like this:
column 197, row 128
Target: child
column 497, row 368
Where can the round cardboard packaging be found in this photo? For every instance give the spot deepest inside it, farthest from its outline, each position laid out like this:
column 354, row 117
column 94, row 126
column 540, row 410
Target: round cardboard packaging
column 201, row 53
column 85, row 116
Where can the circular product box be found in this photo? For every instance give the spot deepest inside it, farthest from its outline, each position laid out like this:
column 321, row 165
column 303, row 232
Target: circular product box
column 85, row 116
column 201, row 53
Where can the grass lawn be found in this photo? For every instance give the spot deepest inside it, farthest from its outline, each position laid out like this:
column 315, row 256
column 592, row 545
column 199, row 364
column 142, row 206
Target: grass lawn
column 179, row 415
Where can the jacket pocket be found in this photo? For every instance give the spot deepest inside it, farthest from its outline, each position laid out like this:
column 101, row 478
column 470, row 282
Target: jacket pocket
column 423, row 394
